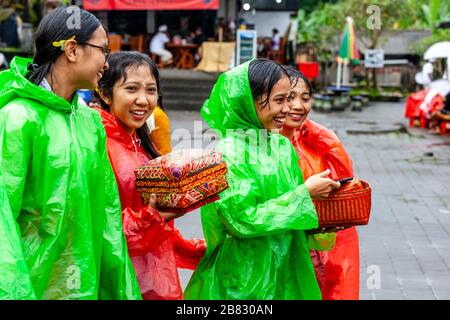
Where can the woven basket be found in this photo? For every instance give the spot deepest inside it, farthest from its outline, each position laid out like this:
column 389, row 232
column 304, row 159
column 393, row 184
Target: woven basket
column 346, row 207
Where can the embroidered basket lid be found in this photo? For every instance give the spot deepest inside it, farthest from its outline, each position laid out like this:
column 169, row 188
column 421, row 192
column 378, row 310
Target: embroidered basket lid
column 179, row 165
column 183, row 180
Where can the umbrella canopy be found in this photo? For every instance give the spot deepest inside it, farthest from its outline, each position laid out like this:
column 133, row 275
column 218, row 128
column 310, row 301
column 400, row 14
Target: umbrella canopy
column 348, row 51
column 438, row 50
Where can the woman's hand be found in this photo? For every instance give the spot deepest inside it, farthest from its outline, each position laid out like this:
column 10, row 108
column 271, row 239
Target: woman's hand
column 319, row 186
column 167, row 216
column 149, row 201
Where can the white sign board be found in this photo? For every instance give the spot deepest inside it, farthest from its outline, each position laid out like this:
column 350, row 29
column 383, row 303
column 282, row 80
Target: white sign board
column 374, row 58
column 245, row 46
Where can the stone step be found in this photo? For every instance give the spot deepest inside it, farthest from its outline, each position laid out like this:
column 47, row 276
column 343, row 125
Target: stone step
column 185, row 94
column 182, row 104
column 185, row 89
column 187, row 85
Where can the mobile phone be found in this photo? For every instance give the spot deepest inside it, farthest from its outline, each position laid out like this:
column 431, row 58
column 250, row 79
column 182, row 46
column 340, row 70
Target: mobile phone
column 345, row 180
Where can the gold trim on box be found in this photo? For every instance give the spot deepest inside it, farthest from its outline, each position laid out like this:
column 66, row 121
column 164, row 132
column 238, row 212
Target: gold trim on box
column 145, row 182
column 215, row 176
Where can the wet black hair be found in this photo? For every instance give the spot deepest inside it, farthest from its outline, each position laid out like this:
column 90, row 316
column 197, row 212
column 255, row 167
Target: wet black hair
column 119, row 63
column 263, row 74
column 56, row 26
column 295, row 75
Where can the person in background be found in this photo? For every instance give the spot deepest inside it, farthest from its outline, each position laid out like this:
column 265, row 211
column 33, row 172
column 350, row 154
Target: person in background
column 275, row 40
column 427, row 72
column 157, row 45
column 9, row 25
column 159, row 127
column 61, row 220
column 200, row 37
column 318, row 148
column 3, row 62
column 129, row 93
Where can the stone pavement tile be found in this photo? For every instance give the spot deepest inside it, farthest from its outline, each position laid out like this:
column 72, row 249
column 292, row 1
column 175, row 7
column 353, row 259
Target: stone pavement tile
column 410, row 273
column 424, row 294
column 416, row 237
column 411, row 284
column 389, row 294
column 401, row 258
column 389, row 280
column 439, row 282
column 422, row 215
column 444, row 253
column 443, row 294
column 437, row 235
column 396, row 244
column 367, row 295
column 434, row 265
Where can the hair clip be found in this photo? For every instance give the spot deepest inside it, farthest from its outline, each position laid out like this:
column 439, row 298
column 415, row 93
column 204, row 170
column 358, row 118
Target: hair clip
column 32, row 66
column 62, row 43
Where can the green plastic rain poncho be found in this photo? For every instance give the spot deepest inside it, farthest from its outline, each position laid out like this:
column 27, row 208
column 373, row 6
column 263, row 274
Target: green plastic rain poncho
column 60, row 216
column 256, row 246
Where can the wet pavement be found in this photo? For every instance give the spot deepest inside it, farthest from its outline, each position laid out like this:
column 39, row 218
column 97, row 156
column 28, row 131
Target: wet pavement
column 405, row 249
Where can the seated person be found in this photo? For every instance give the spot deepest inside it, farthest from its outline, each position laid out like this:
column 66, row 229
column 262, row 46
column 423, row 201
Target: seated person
column 275, row 40
column 200, row 37
column 440, row 115
column 157, row 45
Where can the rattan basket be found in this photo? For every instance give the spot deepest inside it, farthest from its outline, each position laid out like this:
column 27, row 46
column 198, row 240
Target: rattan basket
column 346, row 207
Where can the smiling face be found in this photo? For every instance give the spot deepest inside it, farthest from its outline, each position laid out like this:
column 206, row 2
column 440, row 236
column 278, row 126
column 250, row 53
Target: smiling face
column 300, row 103
column 92, row 63
column 273, row 115
column 134, row 99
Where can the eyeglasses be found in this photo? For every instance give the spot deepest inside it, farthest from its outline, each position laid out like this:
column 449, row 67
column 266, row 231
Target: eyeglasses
column 106, row 51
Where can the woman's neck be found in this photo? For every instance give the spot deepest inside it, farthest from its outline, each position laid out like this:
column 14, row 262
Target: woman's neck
column 288, row 132
column 60, row 82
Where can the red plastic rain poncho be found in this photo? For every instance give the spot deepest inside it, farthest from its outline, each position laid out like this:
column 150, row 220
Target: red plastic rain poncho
column 337, row 270
column 156, row 248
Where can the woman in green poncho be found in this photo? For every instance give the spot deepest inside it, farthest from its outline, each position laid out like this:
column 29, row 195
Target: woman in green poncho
column 60, row 216
column 256, row 244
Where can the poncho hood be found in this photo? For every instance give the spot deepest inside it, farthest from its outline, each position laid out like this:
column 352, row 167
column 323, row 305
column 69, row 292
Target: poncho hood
column 230, row 105
column 15, row 85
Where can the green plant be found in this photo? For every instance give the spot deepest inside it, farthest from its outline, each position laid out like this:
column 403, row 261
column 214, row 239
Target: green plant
column 438, row 35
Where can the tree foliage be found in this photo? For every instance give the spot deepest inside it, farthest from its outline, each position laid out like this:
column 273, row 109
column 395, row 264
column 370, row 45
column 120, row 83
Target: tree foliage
column 324, row 25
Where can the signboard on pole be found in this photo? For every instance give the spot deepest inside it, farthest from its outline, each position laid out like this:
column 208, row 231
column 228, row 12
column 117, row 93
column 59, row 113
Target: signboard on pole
column 374, row 58
column 245, row 46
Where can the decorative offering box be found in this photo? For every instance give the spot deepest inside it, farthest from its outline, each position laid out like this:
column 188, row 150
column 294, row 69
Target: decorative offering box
column 183, row 180
column 348, row 206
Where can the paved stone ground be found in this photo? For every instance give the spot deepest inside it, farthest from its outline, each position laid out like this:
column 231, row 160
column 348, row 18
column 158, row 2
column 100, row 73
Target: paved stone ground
column 405, row 249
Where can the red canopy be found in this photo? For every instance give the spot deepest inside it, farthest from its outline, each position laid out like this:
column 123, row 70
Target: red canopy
column 151, row 4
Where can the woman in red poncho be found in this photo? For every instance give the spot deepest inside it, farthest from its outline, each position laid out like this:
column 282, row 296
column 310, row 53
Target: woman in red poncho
column 319, row 149
column 129, row 90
